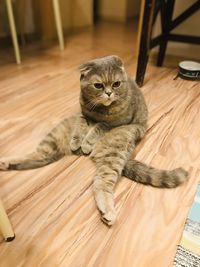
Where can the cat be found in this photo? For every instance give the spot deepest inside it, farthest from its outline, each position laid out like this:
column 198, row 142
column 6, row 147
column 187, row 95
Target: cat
column 112, row 121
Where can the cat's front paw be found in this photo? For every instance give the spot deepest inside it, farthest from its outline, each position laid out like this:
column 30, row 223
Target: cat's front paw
column 4, row 166
column 86, row 147
column 109, row 217
column 75, row 143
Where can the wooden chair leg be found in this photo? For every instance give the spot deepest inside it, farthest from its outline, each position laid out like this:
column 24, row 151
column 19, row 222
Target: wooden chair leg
column 13, row 31
column 5, row 226
column 146, row 16
column 58, row 21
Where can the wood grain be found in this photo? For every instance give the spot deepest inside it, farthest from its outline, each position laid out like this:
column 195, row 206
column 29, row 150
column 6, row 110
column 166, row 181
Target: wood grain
column 52, row 209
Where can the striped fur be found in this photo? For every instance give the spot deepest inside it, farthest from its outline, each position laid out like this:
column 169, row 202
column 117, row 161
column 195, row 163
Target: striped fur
column 50, row 149
column 142, row 173
column 113, row 120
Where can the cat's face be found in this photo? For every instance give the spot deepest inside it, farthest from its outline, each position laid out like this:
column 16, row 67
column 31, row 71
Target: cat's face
column 103, row 80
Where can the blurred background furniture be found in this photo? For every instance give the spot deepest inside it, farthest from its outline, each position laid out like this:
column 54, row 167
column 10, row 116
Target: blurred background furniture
column 5, row 226
column 149, row 13
column 58, row 22
column 13, row 31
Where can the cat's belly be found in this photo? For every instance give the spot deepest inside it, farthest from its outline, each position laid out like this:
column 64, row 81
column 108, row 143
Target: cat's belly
column 118, row 120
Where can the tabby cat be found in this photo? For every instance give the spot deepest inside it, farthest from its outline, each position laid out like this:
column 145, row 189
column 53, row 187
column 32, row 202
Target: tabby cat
column 113, row 119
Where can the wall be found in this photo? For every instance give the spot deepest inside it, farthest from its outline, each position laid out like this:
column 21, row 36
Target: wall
column 133, row 8
column 23, row 15
column 112, row 10
column 76, row 13
column 118, row 10
column 37, row 15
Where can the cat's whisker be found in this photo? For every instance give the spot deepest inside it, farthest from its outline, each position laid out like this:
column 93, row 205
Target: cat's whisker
column 92, row 104
column 95, row 104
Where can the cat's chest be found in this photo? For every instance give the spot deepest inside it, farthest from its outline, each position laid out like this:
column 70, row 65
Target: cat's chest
column 112, row 118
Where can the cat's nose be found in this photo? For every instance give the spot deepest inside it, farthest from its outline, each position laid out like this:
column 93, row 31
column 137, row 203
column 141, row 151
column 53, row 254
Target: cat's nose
column 108, row 93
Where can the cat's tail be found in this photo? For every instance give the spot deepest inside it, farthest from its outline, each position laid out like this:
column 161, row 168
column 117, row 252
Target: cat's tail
column 148, row 175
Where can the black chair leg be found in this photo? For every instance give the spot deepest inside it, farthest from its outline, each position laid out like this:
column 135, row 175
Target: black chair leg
column 141, row 68
column 144, row 41
column 161, row 53
column 166, row 18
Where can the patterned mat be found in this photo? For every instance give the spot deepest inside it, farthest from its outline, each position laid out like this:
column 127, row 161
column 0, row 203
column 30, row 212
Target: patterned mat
column 188, row 252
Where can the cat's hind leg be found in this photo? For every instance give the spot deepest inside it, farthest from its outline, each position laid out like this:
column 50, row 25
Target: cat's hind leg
column 4, row 165
column 109, row 164
column 53, row 147
column 30, row 161
column 104, row 183
column 110, row 156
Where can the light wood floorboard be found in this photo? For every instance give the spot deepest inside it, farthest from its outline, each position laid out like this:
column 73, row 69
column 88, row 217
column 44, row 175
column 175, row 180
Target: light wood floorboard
column 52, row 209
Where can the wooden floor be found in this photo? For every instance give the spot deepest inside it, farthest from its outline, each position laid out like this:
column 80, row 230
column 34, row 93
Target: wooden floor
column 52, row 209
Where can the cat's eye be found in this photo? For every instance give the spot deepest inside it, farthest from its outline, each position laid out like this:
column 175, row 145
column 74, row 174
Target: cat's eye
column 116, row 84
column 98, row 85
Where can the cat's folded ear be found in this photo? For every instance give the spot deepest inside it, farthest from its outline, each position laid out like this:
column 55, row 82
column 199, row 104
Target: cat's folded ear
column 85, row 68
column 118, row 61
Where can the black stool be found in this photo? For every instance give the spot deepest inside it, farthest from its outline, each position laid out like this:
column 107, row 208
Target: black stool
column 149, row 12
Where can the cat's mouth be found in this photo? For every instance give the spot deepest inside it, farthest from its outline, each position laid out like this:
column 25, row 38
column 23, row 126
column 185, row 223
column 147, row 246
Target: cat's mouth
column 108, row 100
